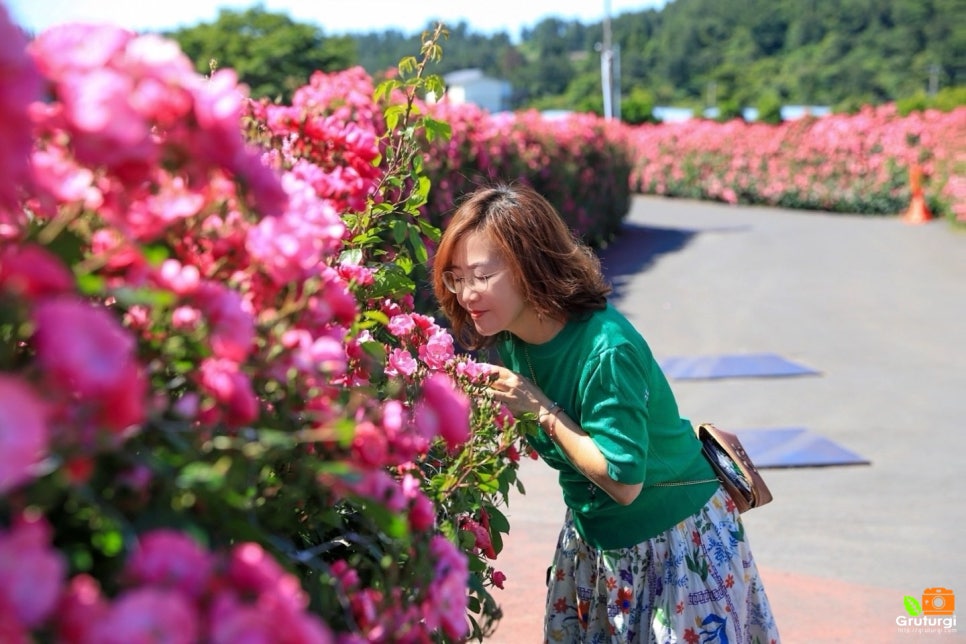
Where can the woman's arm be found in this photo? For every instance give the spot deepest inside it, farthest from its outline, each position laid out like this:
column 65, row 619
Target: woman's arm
column 581, row 450
column 522, row 396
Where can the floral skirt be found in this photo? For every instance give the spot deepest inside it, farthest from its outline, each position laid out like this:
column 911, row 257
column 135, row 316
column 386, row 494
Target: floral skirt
column 697, row 582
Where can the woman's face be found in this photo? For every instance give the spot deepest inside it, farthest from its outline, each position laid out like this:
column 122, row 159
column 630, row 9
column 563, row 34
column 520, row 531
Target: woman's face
column 493, row 301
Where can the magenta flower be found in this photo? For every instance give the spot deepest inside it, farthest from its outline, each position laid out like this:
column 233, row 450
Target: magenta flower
column 23, row 432
column 83, row 348
column 148, row 615
column 254, row 572
column 85, row 352
column 32, row 271
column 422, row 513
column 231, row 388
column 447, row 599
column 20, row 85
column 231, row 320
column 444, row 411
column 369, row 445
column 400, row 363
column 32, row 571
column 80, row 609
column 401, row 325
column 438, row 350
column 170, row 559
column 234, row 622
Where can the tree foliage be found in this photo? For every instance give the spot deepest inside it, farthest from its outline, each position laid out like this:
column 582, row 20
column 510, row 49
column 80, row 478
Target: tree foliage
column 697, row 53
column 271, row 53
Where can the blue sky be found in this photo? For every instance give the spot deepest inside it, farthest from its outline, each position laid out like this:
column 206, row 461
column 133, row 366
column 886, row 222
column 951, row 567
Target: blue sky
column 333, row 16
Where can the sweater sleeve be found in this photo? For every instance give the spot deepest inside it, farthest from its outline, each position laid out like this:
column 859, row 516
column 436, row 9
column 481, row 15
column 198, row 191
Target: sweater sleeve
column 614, row 412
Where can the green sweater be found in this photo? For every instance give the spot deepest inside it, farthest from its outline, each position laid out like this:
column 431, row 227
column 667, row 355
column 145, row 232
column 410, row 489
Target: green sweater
column 603, row 374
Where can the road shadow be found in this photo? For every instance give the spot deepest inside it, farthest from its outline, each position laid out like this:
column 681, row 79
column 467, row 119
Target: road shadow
column 636, row 248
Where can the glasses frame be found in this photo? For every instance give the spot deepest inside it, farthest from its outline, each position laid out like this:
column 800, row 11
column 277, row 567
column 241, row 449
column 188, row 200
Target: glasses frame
column 457, row 285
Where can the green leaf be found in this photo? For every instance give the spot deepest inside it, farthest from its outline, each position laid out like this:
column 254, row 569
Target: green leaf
column 90, row 284
column 399, row 231
column 351, row 256
column 148, row 296
column 405, row 263
column 155, row 254
column 498, row 520
column 912, row 606
column 437, row 129
column 419, row 248
column 407, row 65
column 487, row 483
column 428, row 229
column 393, row 114
column 375, row 349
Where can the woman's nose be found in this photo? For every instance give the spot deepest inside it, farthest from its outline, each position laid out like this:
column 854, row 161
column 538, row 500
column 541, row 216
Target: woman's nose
column 468, row 294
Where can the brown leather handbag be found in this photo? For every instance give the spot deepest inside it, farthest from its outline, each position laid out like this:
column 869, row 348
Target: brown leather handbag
column 733, row 467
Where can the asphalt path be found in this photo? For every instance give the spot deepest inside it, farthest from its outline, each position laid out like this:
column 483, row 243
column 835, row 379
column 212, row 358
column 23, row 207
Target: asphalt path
column 876, row 306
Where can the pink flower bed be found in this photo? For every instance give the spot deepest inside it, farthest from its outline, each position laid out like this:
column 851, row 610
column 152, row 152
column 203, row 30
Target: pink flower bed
column 582, row 163
column 846, row 163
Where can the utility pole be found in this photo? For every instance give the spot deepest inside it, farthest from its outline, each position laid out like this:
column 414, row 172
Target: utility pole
column 933, row 80
column 607, row 65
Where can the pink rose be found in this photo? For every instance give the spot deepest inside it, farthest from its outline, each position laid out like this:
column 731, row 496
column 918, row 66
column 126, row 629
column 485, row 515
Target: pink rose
column 33, row 271
column 231, row 388
column 400, row 363
column 81, row 608
column 170, row 559
column 148, row 615
column 31, row 570
column 83, row 348
column 369, row 445
column 20, row 85
column 231, row 319
column 448, row 599
column 438, row 350
column 23, row 432
column 443, row 410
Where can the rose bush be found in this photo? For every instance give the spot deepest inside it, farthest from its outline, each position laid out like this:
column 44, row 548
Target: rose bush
column 841, row 163
column 581, row 162
column 221, row 415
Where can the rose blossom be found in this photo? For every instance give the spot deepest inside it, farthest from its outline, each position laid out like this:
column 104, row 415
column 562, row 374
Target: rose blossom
column 443, row 410
column 32, row 571
column 86, row 352
column 231, row 388
column 20, row 85
column 23, row 432
column 171, row 559
column 32, row 271
column 148, row 615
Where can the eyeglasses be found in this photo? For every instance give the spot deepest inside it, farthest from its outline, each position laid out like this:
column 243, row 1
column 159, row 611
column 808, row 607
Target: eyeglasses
column 477, row 283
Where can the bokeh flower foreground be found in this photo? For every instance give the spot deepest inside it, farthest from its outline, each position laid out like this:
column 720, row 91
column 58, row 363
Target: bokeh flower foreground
column 222, row 418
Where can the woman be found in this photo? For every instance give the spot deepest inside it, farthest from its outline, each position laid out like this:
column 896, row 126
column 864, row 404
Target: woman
column 652, row 548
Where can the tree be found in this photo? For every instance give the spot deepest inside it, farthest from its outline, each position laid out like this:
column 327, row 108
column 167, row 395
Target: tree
column 272, row 54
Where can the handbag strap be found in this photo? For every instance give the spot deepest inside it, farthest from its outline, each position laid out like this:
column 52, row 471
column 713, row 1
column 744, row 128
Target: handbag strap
column 677, row 483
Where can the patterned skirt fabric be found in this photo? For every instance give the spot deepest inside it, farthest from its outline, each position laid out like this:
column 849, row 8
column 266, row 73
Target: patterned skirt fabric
column 697, row 582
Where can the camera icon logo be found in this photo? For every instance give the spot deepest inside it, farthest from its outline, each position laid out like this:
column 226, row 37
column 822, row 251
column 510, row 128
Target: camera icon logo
column 938, row 601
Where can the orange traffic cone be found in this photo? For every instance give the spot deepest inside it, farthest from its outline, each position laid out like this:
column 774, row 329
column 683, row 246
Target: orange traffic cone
column 918, row 212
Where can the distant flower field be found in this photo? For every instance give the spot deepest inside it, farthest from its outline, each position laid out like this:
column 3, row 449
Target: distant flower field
column 839, row 163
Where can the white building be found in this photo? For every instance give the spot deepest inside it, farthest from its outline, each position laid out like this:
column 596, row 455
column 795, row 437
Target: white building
column 473, row 86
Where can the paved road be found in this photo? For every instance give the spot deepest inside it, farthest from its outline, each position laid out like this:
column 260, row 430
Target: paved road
column 878, row 307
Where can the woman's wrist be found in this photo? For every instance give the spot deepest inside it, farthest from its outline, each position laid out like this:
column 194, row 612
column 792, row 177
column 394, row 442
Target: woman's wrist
column 551, row 413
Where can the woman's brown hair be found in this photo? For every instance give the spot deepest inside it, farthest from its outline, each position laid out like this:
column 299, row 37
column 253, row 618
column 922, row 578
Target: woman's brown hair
column 557, row 274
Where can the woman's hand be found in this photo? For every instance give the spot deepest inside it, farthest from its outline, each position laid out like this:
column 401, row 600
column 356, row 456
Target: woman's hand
column 523, row 396
column 519, row 394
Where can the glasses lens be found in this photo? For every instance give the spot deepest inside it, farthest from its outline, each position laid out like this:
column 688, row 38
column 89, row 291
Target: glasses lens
column 449, row 281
